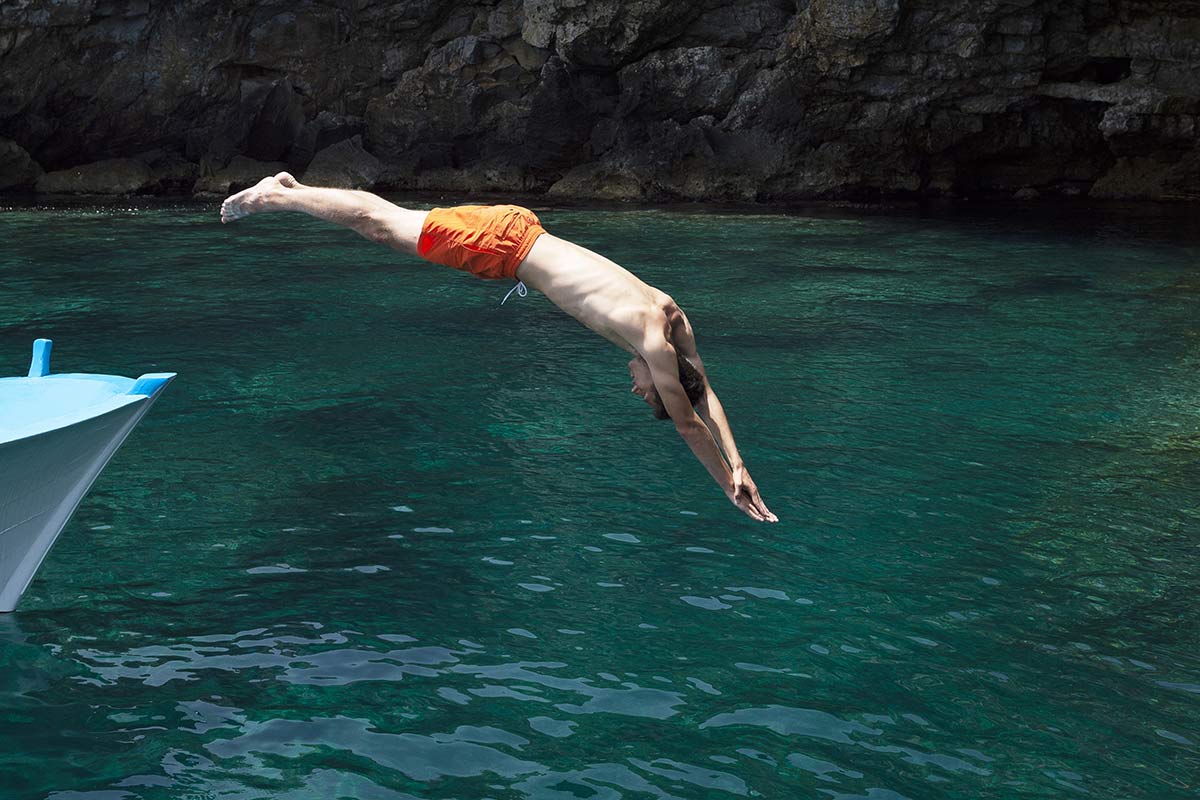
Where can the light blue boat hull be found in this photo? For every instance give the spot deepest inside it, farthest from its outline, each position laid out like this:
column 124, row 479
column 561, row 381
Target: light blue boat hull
column 49, row 462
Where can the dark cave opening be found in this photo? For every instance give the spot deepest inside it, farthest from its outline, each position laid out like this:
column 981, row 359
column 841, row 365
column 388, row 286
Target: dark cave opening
column 1092, row 70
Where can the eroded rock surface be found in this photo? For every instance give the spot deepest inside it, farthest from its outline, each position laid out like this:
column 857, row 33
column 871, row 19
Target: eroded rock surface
column 114, row 176
column 17, row 169
column 754, row 100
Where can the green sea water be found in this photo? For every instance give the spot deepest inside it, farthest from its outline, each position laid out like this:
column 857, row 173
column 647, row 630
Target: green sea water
column 386, row 539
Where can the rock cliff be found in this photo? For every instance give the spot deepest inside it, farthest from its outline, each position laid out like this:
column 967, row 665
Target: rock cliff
column 744, row 100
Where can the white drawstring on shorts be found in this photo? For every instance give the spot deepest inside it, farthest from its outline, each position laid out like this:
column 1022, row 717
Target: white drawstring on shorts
column 519, row 289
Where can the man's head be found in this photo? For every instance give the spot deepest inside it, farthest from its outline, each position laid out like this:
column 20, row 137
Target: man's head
column 643, row 384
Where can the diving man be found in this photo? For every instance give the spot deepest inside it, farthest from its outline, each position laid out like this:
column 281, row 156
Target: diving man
column 509, row 242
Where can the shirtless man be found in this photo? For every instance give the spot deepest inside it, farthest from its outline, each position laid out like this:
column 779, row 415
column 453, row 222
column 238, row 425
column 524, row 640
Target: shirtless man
column 509, row 242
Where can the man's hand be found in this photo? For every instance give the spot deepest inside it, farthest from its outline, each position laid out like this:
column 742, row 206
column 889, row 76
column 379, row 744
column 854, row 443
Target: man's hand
column 745, row 496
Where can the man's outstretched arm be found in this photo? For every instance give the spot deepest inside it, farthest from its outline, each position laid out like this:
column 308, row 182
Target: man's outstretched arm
column 713, row 414
column 664, row 369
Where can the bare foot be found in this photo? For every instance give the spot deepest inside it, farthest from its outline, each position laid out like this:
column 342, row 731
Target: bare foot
column 259, row 197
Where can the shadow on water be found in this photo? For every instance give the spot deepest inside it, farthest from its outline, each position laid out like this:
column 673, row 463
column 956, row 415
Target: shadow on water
column 1041, row 285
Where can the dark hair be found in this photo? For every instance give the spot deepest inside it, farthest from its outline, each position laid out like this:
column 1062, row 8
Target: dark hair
column 693, row 386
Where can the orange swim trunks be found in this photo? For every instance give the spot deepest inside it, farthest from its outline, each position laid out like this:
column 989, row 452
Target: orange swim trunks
column 488, row 241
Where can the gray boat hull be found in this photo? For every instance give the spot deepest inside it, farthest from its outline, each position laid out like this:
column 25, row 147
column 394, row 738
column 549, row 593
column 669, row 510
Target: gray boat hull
column 45, row 474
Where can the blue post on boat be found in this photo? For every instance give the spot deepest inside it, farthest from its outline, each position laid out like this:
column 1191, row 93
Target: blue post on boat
column 40, row 366
column 57, row 433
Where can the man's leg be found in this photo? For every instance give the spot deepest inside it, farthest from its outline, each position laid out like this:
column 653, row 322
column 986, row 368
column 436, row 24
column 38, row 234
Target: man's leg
column 367, row 214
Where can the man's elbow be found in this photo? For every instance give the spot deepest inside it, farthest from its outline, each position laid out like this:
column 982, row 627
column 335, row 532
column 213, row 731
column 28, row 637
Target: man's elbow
column 689, row 427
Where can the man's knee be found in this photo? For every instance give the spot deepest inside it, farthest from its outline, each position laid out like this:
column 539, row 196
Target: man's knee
column 374, row 226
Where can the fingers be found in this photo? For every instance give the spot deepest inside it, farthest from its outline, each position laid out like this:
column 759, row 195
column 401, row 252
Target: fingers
column 762, row 515
column 766, row 512
column 748, row 508
column 757, row 501
column 762, row 509
column 752, row 506
column 745, row 497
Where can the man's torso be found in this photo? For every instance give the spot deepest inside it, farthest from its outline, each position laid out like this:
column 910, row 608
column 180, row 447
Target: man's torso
column 599, row 293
